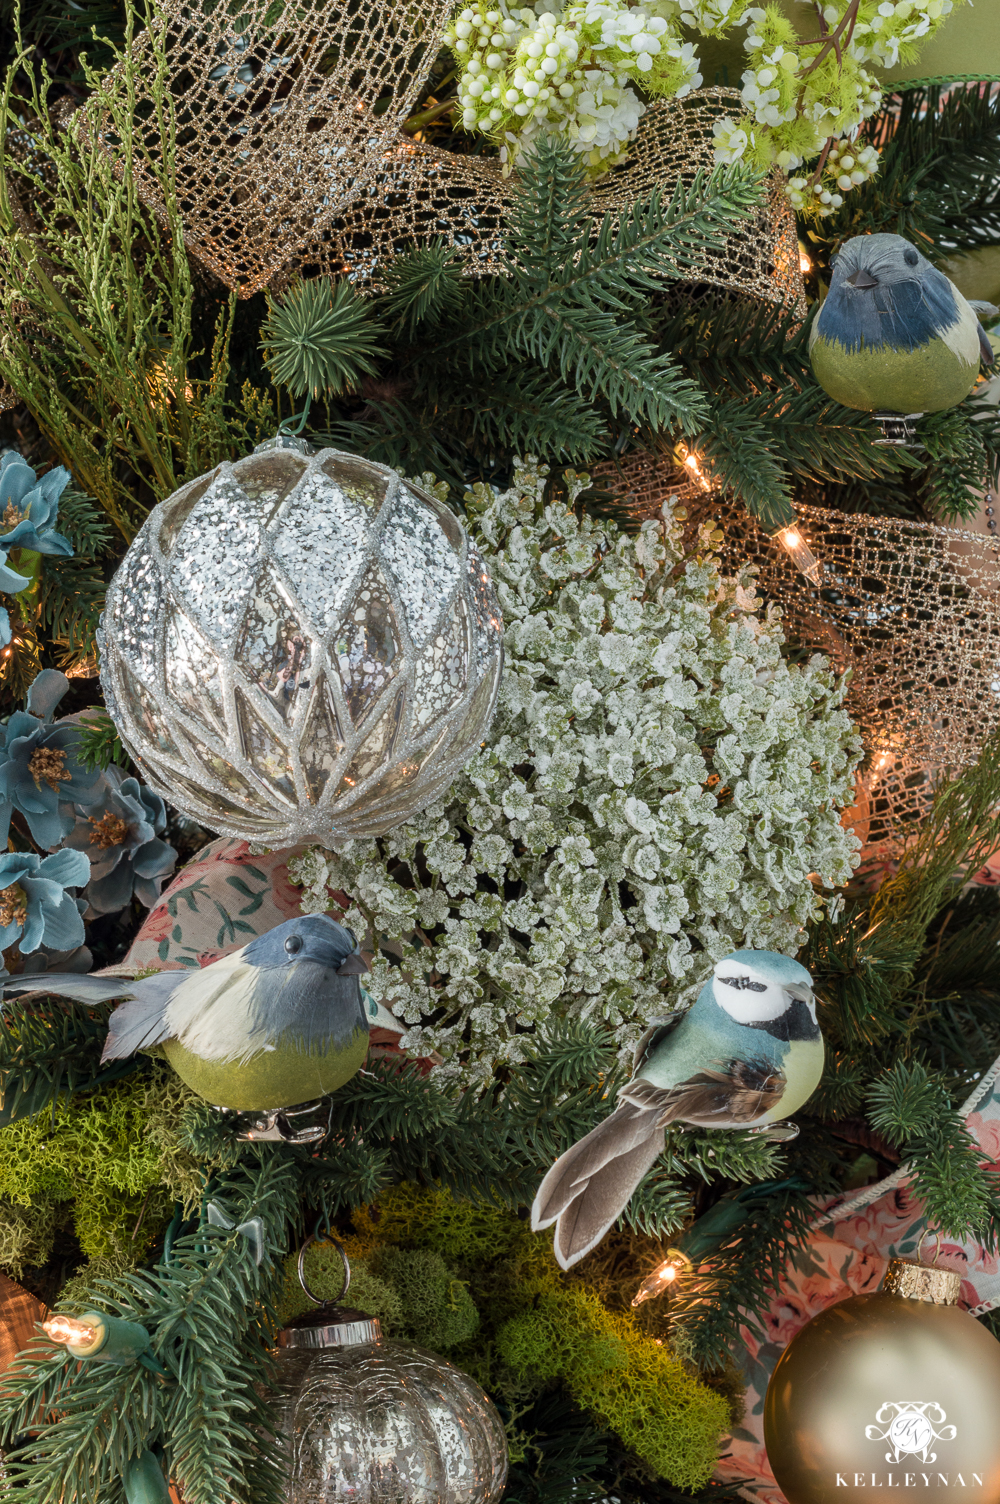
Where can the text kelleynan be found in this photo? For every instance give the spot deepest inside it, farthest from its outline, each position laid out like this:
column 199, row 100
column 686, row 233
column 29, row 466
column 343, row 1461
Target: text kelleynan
column 908, row 1480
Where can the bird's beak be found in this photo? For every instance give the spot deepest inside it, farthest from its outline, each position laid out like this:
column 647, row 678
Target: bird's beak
column 798, row 990
column 354, row 966
column 862, row 279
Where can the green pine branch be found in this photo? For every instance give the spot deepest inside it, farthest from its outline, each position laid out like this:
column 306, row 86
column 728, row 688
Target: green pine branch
column 49, row 1046
column 210, row 1319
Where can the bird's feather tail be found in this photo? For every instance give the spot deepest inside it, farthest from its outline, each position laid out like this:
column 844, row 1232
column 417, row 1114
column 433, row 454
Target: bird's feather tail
column 79, row 989
column 589, row 1186
column 603, row 1198
column 617, row 1135
column 140, row 1023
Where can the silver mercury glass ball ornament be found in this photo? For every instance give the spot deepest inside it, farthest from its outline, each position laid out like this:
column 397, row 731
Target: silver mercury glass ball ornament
column 370, row 1421
column 301, row 646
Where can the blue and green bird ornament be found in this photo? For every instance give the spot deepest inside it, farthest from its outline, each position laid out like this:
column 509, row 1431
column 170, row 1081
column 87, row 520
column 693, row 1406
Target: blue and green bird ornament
column 894, row 334
column 746, row 1054
column 281, row 1021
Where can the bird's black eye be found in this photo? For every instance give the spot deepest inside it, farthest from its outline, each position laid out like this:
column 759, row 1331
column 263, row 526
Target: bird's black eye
column 293, row 944
column 910, row 257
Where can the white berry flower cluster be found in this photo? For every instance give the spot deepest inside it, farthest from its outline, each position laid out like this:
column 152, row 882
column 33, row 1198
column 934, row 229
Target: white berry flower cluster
column 659, row 787
column 809, row 98
column 888, row 33
column 845, row 167
column 584, row 70
column 539, row 70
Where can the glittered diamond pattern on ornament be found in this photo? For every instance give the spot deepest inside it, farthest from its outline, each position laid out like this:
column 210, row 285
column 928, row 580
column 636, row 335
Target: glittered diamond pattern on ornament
column 301, row 648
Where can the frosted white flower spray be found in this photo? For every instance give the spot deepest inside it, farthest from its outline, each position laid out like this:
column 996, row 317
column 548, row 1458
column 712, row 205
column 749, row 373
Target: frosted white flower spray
column 659, row 787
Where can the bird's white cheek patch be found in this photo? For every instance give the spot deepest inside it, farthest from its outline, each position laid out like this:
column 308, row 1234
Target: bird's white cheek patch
column 962, row 337
column 751, row 1007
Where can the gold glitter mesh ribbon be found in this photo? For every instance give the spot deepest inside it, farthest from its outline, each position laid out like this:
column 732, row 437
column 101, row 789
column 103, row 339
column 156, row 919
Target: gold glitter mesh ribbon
column 913, row 609
column 290, row 158
column 282, row 113
column 419, row 193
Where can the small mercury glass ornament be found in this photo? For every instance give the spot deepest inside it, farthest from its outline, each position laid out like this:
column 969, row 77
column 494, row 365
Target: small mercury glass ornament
column 301, row 646
column 369, row 1421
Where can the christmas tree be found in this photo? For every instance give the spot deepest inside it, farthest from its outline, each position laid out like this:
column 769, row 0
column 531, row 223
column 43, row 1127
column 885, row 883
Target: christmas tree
column 559, row 270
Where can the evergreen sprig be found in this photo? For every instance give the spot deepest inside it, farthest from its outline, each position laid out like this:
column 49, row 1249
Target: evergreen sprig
column 207, row 1308
column 49, row 1046
column 319, row 337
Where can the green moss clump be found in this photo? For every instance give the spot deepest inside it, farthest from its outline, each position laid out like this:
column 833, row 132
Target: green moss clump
column 93, row 1150
column 565, row 1332
column 438, row 1310
column 635, row 1386
column 27, row 1234
column 538, row 1326
column 418, row 1217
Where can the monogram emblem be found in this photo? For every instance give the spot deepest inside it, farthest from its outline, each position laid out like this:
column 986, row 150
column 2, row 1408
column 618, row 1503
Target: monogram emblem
column 910, row 1429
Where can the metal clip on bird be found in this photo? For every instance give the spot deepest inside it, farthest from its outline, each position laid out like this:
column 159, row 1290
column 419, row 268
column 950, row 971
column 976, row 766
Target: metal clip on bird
column 283, row 1125
column 898, row 431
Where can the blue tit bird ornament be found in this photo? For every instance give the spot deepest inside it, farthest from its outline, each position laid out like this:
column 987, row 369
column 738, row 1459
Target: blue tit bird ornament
column 894, row 334
column 279, row 1022
column 746, row 1054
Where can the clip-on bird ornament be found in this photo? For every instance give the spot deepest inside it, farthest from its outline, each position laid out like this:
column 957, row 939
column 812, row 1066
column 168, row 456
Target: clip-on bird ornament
column 276, row 1023
column 896, row 338
column 746, row 1054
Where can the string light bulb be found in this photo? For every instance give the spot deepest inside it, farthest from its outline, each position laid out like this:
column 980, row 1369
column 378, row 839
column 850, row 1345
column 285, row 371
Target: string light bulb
column 95, row 1335
column 799, row 552
column 805, row 264
column 693, row 467
column 662, row 1277
column 82, row 1337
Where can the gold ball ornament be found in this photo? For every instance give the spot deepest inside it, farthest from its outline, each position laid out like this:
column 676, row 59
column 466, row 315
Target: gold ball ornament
column 899, row 1390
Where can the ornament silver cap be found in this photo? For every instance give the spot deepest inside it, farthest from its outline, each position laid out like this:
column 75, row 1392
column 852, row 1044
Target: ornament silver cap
column 331, row 1325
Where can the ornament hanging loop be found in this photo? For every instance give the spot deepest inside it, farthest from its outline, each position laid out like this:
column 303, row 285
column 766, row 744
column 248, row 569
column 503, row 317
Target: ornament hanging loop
column 316, row 1299
column 299, row 419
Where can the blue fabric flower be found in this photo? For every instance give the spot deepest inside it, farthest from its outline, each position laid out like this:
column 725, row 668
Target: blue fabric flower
column 10, row 580
column 29, row 508
column 119, row 833
column 5, row 633
column 39, row 770
column 35, row 907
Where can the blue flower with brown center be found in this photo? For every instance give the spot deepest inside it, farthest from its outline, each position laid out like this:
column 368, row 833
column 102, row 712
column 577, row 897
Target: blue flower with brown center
column 119, row 832
column 29, row 507
column 35, row 907
column 39, row 769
